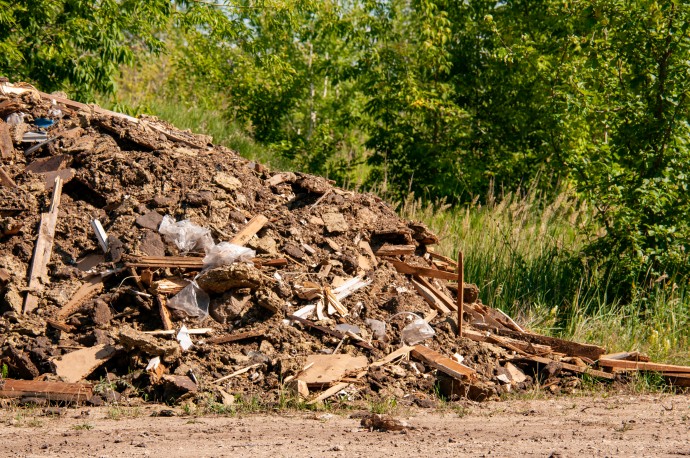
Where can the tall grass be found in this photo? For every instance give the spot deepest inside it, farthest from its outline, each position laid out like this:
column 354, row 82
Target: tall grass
column 522, row 251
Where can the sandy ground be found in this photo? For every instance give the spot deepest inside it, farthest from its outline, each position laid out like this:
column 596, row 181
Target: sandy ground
column 650, row 425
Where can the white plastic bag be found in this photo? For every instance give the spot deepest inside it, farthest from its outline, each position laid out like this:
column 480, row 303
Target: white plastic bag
column 227, row 253
column 186, row 235
column 378, row 328
column 192, row 300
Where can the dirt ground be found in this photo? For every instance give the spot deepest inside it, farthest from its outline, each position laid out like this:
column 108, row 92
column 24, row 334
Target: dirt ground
column 621, row 425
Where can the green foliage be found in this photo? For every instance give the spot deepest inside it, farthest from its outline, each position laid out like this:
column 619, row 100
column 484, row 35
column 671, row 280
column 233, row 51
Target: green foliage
column 77, row 45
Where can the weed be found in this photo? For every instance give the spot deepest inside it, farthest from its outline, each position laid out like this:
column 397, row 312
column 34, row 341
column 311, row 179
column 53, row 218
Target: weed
column 120, row 412
column 383, row 406
column 83, row 426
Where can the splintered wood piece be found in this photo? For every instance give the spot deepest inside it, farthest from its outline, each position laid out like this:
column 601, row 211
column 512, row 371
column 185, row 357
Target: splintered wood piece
column 5, row 179
column 395, row 250
column 188, row 262
column 330, row 332
column 643, row 366
column 169, row 286
column 64, row 327
column 405, row 268
column 403, row 351
column 235, row 337
column 38, row 272
column 364, row 245
column 442, row 363
column 247, row 232
column 566, row 347
column 334, row 302
column 52, row 391
column 627, row 355
column 505, row 320
column 237, row 372
column 166, row 320
column 442, row 258
column 326, row 369
column 447, row 301
column 93, row 286
column 508, row 343
column 6, row 145
column 429, row 297
column 77, row 365
column 335, row 389
column 571, row 367
column 430, row 316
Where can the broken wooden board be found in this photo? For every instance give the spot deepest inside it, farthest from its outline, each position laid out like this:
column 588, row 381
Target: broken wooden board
column 643, row 366
column 335, row 389
column 566, row 347
column 38, row 272
column 330, row 332
column 570, row 367
column 247, row 232
column 51, row 391
column 402, row 351
column 506, row 342
column 676, row 379
column 405, row 268
column 189, row 262
column 327, row 369
column 86, row 291
column 429, row 297
column 627, row 356
column 5, row 179
column 237, row 336
column 169, row 286
column 77, row 365
column 447, row 301
column 164, row 313
column 442, row 363
column 395, row 250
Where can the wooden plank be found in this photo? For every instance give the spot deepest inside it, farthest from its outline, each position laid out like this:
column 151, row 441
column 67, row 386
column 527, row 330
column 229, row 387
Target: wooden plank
column 506, row 342
column 166, row 320
column 330, row 332
column 442, row 363
column 566, row 347
column 571, row 367
column 335, row 389
column 64, row 327
column 675, row 379
column 237, row 336
column 627, row 355
column 53, row 391
column 643, row 366
column 405, row 268
column 326, row 369
column 461, row 291
column 429, row 297
column 247, row 232
column 38, row 271
column 447, row 301
column 77, row 365
column 93, row 286
column 395, row 250
column 189, row 262
column 5, row 179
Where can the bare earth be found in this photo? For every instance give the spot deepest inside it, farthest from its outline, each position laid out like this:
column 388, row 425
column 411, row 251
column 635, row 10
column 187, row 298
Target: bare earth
column 650, row 425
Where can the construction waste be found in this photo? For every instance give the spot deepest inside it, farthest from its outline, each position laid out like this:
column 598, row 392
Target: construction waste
column 138, row 261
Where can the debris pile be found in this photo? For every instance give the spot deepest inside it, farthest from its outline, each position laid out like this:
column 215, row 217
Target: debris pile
column 145, row 260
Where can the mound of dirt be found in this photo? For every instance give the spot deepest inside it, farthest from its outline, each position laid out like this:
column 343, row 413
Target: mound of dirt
column 113, row 268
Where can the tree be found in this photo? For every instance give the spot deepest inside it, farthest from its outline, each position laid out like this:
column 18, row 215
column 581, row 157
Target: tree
column 77, row 45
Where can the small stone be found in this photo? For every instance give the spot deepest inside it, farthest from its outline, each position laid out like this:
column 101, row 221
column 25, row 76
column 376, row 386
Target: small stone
column 150, row 220
column 335, row 222
column 227, row 182
column 223, row 278
column 152, row 244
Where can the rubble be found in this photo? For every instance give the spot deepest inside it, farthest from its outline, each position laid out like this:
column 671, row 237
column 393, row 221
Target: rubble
column 114, row 243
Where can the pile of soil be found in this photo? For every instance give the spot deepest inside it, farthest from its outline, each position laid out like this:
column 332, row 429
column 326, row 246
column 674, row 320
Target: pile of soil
column 128, row 174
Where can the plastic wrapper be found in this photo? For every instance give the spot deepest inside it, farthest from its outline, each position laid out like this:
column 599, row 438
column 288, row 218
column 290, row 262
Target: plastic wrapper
column 417, row 331
column 378, row 328
column 192, row 300
column 227, row 253
column 186, row 235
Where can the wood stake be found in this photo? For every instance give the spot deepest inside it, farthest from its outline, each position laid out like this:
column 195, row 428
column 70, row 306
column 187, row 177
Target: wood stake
column 461, row 291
